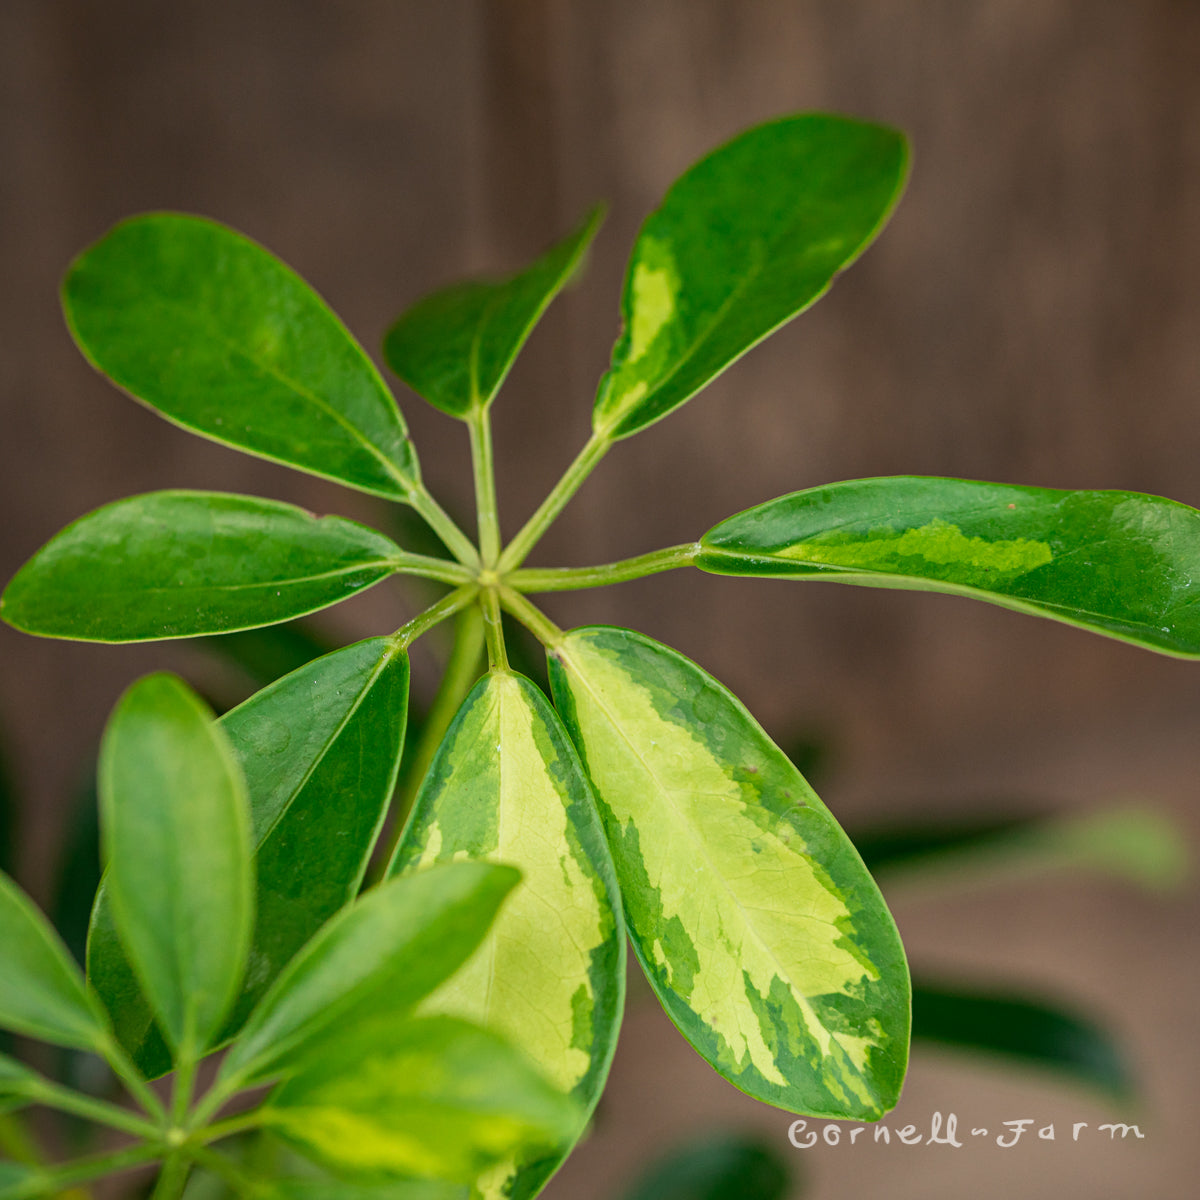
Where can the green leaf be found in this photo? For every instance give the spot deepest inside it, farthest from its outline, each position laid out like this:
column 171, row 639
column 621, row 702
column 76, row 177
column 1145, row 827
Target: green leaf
column 725, row 1167
column 42, row 992
column 1117, row 563
column 745, row 240
column 394, row 1189
column 455, row 347
column 388, row 950
column 271, row 651
column 222, row 338
column 1023, row 1030
column 319, row 750
column 507, row 785
column 16, row 1079
column 431, row 1096
column 176, row 564
column 176, row 837
column 758, row 927
column 15, row 1179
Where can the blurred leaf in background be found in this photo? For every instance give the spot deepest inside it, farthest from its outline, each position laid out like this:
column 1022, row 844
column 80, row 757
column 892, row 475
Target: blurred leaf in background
column 721, row 1166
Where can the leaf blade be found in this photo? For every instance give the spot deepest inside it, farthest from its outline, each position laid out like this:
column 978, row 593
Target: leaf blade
column 1117, row 563
column 429, row 1096
column 507, row 786
column 180, row 563
column 402, row 938
column 207, row 327
column 720, row 264
column 319, row 750
column 177, row 844
column 455, row 347
column 42, row 993
column 803, row 1005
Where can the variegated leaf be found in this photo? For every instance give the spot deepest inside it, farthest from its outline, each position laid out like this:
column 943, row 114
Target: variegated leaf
column 507, row 786
column 758, row 926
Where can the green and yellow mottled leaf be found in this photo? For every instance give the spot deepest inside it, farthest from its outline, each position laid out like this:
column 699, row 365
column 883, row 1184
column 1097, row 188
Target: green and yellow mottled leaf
column 745, row 240
column 758, row 926
column 429, row 1096
column 455, row 347
column 507, row 786
column 1118, row 563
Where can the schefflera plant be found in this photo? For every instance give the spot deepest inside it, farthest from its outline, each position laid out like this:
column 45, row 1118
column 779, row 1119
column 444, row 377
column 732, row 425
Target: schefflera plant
column 364, row 1084
column 645, row 797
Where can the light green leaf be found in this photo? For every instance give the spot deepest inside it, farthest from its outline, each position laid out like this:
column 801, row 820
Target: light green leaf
column 507, row 786
column 394, row 1189
column 759, row 928
column 175, row 564
column 42, row 992
column 319, row 750
column 1026, row 1031
column 222, row 338
column 177, row 843
column 745, row 240
column 1117, row 563
column 455, row 347
column 387, row 951
column 431, row 1096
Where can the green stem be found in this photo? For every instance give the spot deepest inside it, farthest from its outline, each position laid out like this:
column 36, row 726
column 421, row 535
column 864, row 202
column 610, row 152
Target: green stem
column 480, row 425
column 566, row 579
column 440, row 521
column 531, row 617
column 231, row 1125
column 81, row 1170
column 185, row 1084
column 447, row 606
column 585, row 462
column 53, row 1095
column 493, row 629
column 462, row 669
column 220, row 1166
column 173, row 1177
column 432, row 568
column 114, row 1053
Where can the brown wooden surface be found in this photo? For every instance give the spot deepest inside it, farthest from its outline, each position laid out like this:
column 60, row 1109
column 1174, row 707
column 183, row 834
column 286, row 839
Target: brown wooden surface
column 1031, row 315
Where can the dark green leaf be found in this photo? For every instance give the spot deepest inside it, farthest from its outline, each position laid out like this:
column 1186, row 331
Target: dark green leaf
column 219, row 336
column 176, row 564
column 176, row 836
column 430, row 1096
column 750, row 236
column 507, row 785
column 387, row 951
column 42, row 992
column 757, row 924
column 456, row 346
column 716, row 1168
column 1117, row 563
column 1023, row 1030
column 319, row 750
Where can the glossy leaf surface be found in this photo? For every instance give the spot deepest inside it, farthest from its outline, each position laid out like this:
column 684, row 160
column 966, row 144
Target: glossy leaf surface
column 176, row 837
column 455, row 347
column 759, row 928
column 175, row 564
column 42, row 991
column 716, row 1168
column 507, row 785
column 1024, row 1030
column 431, row 1096
column 387, row 951
column 745, row 240
column 222, row 338
column 319, row 750
column 1117, row 563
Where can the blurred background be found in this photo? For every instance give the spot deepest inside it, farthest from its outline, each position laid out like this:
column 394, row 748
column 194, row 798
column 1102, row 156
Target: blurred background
column 1031, row 315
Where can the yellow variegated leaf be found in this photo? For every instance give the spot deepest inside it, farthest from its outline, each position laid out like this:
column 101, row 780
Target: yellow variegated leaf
column 760, row 929
column 507, row 786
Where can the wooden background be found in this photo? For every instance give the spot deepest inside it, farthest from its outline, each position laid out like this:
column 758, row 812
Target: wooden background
column 1031, row 315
